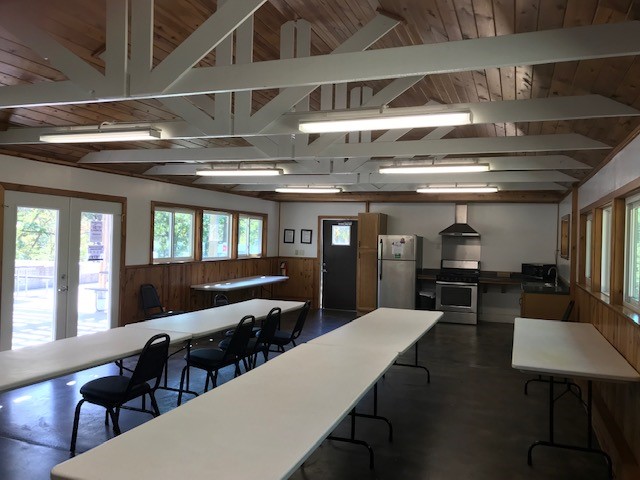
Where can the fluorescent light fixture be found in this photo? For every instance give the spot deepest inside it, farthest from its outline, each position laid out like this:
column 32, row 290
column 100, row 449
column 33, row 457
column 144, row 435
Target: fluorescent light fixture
column 247, row 172
column 86, row 136
column 308, row 190
column 457, row 190
column 436, row 169
column 383, row 121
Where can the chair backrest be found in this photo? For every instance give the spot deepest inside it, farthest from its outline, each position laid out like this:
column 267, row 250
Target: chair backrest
column 151, row 361
column 297, row 328
column 567, row 312
column 150, row 299
column 269, row 327
column 237, row 347
column 220, row 299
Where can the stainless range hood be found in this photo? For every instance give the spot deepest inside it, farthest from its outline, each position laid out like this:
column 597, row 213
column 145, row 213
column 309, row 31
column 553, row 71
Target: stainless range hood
column 461, row 228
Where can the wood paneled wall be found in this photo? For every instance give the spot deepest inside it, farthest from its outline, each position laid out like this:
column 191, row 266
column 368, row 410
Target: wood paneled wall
column 303, row 283
column 173, row 282
column 617, row 404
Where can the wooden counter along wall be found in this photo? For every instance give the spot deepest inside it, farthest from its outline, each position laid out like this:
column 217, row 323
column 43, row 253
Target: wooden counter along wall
column 173, row 282
column 617, row 419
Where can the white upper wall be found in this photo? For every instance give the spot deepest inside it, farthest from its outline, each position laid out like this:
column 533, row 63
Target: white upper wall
column 510, row 233
column 139, row 193
column 621, row 170
column 299, row 215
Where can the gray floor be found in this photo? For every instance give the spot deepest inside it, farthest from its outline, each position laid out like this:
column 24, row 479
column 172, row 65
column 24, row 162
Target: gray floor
column 471, row 422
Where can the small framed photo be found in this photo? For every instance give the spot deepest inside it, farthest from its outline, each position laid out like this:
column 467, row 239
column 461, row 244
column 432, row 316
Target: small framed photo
column 289, row 235
column 305, row 236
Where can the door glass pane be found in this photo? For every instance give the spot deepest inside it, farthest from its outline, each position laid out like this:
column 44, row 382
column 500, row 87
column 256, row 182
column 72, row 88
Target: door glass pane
column 341, row 235
column 34, row 299
column 94, row 295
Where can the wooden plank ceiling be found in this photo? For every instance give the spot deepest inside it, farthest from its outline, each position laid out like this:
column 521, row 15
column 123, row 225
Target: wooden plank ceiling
column 80, row 27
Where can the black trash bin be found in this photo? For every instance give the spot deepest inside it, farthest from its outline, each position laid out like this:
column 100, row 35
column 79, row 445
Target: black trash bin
column 426, row 300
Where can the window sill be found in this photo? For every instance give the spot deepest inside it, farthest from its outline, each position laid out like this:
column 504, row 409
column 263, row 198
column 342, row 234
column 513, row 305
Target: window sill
column 630, row 313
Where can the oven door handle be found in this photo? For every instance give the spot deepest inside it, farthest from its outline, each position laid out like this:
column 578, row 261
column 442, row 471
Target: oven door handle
column 461, row 284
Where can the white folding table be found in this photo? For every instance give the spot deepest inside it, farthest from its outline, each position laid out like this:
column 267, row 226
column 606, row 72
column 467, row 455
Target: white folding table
column 30, row 365
column 212, row 320
column 263, row 424
column 568, row 349
column 242, row 283
column 396, row 329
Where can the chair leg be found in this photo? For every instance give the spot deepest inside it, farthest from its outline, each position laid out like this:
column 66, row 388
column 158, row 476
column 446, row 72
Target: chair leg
column 294, row 343
column 74, row 432
column 206, row 382
column 154, row 404
column 237, row 371
column 106, row 418
column 114, row 420
column 182, row 375
column 214, row 379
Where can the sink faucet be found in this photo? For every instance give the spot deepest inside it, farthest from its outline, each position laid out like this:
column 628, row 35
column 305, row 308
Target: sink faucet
column 555, row 276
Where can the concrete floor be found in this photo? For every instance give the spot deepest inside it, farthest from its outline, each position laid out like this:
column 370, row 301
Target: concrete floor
column 471, row 422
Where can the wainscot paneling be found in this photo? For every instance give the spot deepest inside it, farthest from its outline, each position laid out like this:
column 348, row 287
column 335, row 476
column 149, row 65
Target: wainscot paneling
column 617, row 405
column 173, row 282
column 303, row 280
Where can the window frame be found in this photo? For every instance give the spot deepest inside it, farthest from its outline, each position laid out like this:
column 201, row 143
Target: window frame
column 173, row 210
column 198, row 232
column 231, row 235
column 250, row 216
column 632, row 202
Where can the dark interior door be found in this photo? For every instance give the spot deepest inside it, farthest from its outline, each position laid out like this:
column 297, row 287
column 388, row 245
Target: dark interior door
column 339, row 256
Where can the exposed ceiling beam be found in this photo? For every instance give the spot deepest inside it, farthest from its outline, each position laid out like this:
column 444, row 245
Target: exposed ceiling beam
column 377, row 178
column 324, row 166
column 201, row 125
column 532, row 48
column 409, row 148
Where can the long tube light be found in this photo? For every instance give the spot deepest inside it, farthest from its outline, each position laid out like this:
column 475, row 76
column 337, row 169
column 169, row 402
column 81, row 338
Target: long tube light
column 457, row 190
column 247, row 172
column 436, row 169
column 130, row 135
column 385, row 122
column 308, row 190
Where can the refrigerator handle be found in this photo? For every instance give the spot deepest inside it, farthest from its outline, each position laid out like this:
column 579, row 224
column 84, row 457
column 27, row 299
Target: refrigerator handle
column 380, row 257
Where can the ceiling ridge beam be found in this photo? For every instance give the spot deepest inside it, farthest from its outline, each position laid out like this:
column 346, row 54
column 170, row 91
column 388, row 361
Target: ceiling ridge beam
column 531, row 48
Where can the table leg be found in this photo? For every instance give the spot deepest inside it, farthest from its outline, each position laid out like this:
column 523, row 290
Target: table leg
column 173, row 389
column 353, row 440
column 551, row 443
column 415, row 364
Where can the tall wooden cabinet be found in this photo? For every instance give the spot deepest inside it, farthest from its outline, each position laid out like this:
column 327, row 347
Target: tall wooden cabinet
column 370, row 225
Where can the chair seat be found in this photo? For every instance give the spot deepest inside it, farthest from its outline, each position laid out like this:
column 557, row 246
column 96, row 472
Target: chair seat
column 281, row 338
column 208, row 358
column 111, row 390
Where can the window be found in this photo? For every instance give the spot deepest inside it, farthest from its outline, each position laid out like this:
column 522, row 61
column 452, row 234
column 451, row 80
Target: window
column 605, row 256
column 249, row 235
column 587, row 247
column 341, row 235
column 216, row 235
column 632, row 261
column 173, row 234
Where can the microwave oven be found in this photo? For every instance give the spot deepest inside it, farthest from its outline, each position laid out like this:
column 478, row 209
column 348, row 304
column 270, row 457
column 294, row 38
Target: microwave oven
column 540, row 271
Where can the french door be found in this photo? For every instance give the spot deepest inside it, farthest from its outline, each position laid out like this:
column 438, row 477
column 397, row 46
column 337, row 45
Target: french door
column 60, row 270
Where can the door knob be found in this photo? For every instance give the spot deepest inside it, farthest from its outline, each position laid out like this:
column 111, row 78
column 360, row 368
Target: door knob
column 63, row 288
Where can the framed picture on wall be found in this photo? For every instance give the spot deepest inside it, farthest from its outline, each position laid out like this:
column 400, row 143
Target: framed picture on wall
column 565, row 236
column 305, row 236
column 289, row 235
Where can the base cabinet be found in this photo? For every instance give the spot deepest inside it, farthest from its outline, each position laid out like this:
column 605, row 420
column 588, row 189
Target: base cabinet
column 546, row 306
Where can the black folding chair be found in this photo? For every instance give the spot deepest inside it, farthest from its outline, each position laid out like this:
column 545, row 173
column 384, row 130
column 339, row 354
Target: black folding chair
column 211, row 359
column 282, row 339
column 114, row 391
column 151, row 304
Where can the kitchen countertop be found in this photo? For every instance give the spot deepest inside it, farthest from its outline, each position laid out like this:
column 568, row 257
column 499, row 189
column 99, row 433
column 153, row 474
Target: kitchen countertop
column 528, row 284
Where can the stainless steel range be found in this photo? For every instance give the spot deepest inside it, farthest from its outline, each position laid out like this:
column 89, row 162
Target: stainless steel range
column 457, row 291
column 457, row 282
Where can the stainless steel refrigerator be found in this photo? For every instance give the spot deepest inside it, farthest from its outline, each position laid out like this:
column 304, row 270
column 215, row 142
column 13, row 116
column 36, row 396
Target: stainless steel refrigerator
column 399, row 258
